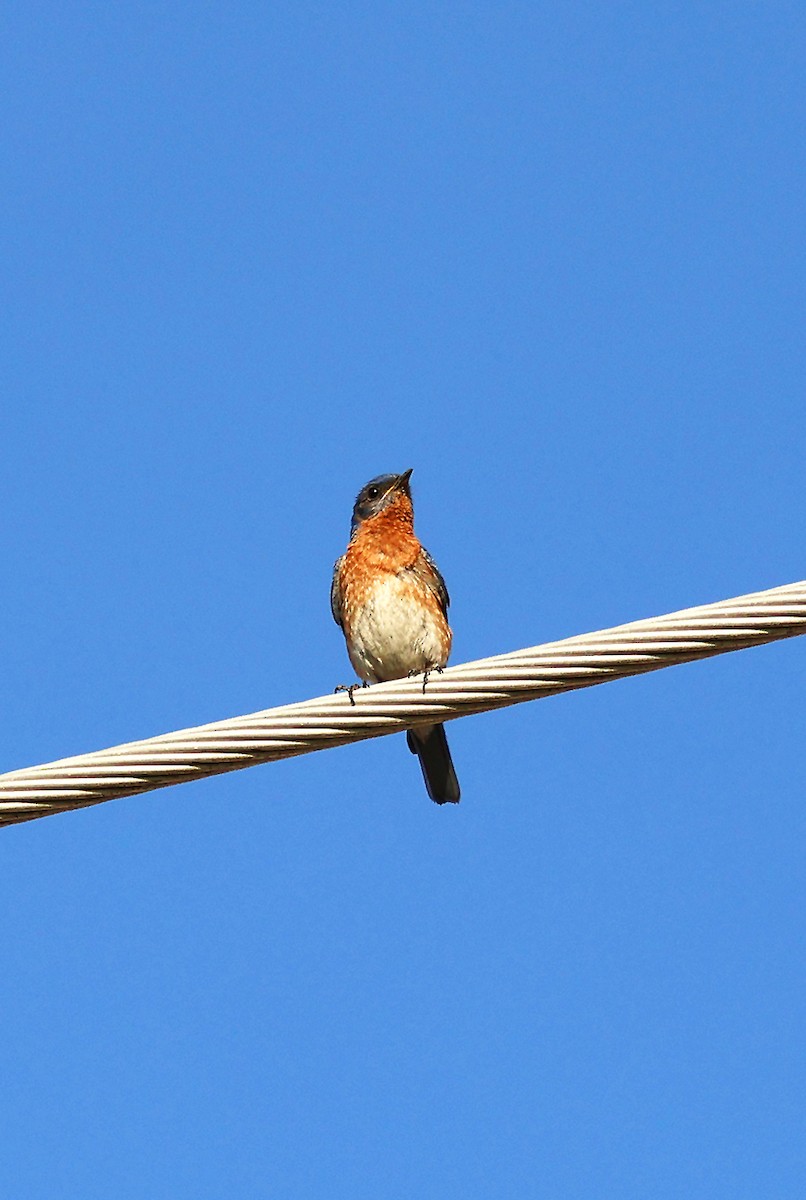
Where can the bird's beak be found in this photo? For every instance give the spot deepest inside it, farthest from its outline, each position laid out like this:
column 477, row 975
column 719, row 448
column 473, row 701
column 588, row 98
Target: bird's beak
column 402, row 481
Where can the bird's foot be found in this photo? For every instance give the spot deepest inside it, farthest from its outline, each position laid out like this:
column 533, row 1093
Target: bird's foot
column 425, row 674
column 349, row 688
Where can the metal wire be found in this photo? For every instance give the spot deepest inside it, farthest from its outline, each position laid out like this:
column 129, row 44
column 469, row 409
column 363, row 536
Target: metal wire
column 472, row 687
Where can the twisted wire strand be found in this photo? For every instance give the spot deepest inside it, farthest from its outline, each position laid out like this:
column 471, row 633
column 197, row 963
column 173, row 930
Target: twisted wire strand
column 473, row 687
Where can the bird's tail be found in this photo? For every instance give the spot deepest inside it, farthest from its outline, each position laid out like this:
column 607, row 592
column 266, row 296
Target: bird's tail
column 430, row 745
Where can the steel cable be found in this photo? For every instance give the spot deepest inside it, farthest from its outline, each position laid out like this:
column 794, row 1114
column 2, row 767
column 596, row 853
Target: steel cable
column 468, row 688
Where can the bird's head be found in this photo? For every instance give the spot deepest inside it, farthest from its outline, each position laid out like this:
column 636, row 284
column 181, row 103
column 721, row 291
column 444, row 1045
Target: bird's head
column 378, row 494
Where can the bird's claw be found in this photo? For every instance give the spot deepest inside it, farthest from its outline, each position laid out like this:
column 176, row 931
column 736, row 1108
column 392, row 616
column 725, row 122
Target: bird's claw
column 425, row 674
column 349, row 688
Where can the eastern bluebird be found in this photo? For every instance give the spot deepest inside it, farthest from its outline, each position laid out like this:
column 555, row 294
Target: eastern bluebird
column 391, row 602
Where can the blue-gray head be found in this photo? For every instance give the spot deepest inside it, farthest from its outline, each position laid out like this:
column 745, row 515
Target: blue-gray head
column 378, row 494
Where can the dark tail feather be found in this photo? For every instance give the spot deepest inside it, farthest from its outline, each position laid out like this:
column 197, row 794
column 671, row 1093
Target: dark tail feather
column 431, row 747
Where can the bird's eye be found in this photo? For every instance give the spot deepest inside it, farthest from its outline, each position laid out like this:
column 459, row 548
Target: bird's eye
column 373, row 493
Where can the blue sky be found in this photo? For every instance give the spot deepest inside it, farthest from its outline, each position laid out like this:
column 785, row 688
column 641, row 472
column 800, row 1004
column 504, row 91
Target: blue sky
column 552, row 258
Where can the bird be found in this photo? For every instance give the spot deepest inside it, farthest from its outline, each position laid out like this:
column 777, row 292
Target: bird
column 391, row 602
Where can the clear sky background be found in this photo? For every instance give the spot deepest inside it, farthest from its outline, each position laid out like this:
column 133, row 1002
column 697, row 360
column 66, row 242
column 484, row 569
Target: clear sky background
column 551, row 256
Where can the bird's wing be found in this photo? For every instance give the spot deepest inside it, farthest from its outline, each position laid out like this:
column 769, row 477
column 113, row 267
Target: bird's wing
column 427, row 571
column 335, row 592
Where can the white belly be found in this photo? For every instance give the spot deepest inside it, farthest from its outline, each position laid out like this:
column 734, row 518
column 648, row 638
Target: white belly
column 392, row 635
